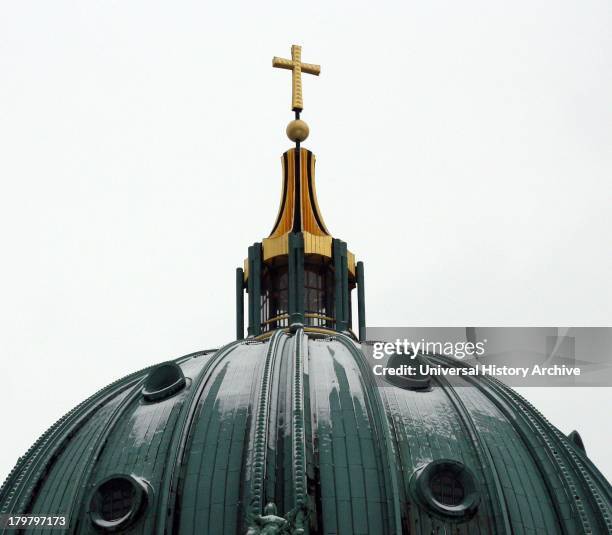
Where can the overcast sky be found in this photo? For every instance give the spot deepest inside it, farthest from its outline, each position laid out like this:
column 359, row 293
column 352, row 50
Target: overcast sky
column 464, row 152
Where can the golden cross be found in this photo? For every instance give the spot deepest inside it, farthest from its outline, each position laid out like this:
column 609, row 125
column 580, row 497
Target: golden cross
column 295, row 64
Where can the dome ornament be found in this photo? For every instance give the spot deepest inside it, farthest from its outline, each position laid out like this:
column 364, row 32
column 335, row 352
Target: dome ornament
column 297, row 130
column 297, row 67
column 270, row 523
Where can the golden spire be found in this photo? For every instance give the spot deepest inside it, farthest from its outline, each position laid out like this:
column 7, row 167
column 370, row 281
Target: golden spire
column 297, row 67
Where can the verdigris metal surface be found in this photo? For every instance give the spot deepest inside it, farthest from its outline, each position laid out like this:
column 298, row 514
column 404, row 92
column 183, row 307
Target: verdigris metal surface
column 298, row 421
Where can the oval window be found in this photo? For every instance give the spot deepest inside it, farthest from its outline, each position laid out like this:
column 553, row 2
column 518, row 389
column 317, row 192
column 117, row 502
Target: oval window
column 117, row 501
column 163, row 381
column 407, row 372
column 447, row 488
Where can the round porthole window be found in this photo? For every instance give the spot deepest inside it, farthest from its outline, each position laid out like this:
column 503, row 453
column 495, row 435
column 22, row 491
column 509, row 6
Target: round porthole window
column 447, row 488
column 402, row 364
column 163, row 381
column 117, row 501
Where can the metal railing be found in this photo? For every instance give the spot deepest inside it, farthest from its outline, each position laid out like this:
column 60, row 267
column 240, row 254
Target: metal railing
column 312, row 319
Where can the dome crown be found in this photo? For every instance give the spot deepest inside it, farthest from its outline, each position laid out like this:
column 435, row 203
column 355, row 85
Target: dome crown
column 300, row 275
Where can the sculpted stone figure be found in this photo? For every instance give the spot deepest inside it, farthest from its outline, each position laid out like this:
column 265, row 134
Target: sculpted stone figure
column 271, row 524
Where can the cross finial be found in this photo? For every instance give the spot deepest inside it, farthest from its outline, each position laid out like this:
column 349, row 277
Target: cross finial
column 295, row 64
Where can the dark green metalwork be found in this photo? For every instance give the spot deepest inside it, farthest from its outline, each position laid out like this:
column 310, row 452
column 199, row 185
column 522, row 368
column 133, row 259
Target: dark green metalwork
column 346, row 308
column 381, row 424
column 250, row 291
column 296, row 278
column 338, row 301
column 361, row 314
column 178, row 440
column 341, row 285
column 299, row 422
column 501, row 515
column 298, row 449
column 547, row 443
column 254, row 289
column 239, row 303
column 260, row 442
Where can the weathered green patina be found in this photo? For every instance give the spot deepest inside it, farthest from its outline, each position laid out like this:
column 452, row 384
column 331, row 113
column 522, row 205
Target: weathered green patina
column 297, row 421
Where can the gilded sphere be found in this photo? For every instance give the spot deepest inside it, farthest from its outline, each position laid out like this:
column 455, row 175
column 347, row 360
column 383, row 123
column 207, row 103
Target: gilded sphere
column 297, row 130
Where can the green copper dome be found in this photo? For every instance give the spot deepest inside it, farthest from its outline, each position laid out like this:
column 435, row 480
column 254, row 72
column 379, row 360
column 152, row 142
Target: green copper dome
column 287, row 431
column 297, row 421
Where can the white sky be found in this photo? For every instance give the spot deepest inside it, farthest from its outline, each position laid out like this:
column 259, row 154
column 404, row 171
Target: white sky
column 464, row 152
